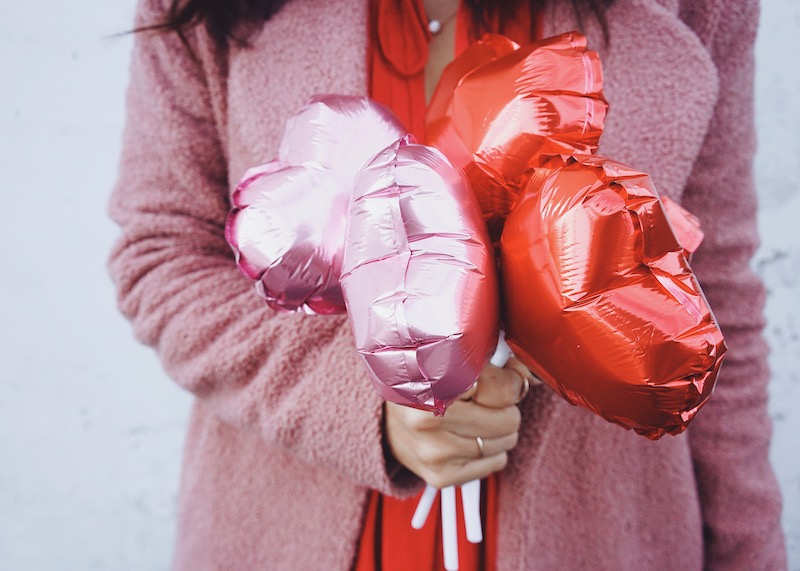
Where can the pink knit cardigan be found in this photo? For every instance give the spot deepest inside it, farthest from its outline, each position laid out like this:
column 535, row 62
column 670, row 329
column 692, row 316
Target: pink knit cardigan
column 285, row 434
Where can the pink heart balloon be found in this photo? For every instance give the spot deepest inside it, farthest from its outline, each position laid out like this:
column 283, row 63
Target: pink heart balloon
column 288, row 221
column 419, row 277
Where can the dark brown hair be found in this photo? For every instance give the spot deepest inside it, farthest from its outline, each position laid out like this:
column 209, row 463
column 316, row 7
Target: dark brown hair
column 224, row 18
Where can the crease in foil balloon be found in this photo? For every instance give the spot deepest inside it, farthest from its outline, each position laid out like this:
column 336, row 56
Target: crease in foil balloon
column 419, row 278
column 288, row 219
column 631, row 338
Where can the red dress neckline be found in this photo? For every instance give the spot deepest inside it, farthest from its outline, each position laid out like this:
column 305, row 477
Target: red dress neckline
column 397, row 51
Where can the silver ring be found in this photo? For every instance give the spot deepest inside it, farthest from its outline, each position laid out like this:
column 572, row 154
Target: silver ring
column 479, row 440
column 523, row 390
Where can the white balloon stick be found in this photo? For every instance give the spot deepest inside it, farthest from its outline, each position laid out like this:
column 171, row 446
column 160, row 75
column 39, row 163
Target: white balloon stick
column 471, row 502
column 502, row 353
column 424, row 507
column 449, row 529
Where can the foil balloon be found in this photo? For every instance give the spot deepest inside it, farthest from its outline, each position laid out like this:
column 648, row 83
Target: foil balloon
column 419, row 277
column 288, row 221
column 601, row 302
column 498, row 107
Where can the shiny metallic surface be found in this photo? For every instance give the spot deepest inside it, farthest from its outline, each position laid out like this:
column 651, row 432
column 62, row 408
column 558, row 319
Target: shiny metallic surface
column 500, row 107
column 419, row 278
column 601, row 302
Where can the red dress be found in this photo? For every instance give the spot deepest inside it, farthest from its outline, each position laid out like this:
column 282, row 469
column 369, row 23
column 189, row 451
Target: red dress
column 389, row 543
column 396, row 58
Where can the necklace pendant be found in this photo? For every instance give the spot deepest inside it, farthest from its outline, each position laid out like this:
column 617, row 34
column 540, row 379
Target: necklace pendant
column 434, row 26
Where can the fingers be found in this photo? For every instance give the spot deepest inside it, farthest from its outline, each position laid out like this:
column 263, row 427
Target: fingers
column 491, row 446
column 455, row 459
column 459, row 475
column 519, row 367
column 471, row 419
column 447, row 448
column 499, row 387
column 444, row 451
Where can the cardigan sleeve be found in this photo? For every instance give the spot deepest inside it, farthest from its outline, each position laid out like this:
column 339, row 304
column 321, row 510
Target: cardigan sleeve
column 730, row 437
column 295, row 380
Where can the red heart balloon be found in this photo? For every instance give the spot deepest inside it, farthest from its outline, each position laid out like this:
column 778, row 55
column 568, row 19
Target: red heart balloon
column 600, row 300
column 498, row 107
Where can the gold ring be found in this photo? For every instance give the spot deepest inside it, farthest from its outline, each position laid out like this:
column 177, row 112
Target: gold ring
column 479, row 440
column 523, row 390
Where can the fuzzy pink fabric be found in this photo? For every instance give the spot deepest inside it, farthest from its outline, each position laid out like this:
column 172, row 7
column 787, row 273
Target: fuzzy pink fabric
column 285, row 436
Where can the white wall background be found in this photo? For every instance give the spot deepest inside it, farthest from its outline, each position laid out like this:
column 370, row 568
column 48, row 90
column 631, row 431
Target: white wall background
column 778, row 261
column 90, row 428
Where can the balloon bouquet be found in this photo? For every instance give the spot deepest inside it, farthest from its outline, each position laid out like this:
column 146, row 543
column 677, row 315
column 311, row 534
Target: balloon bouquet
column 598, row 298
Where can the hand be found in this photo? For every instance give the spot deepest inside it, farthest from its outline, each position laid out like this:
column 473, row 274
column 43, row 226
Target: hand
column 444, row 450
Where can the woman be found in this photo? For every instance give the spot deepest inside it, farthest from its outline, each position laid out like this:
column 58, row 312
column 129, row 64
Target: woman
column 287, row 436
